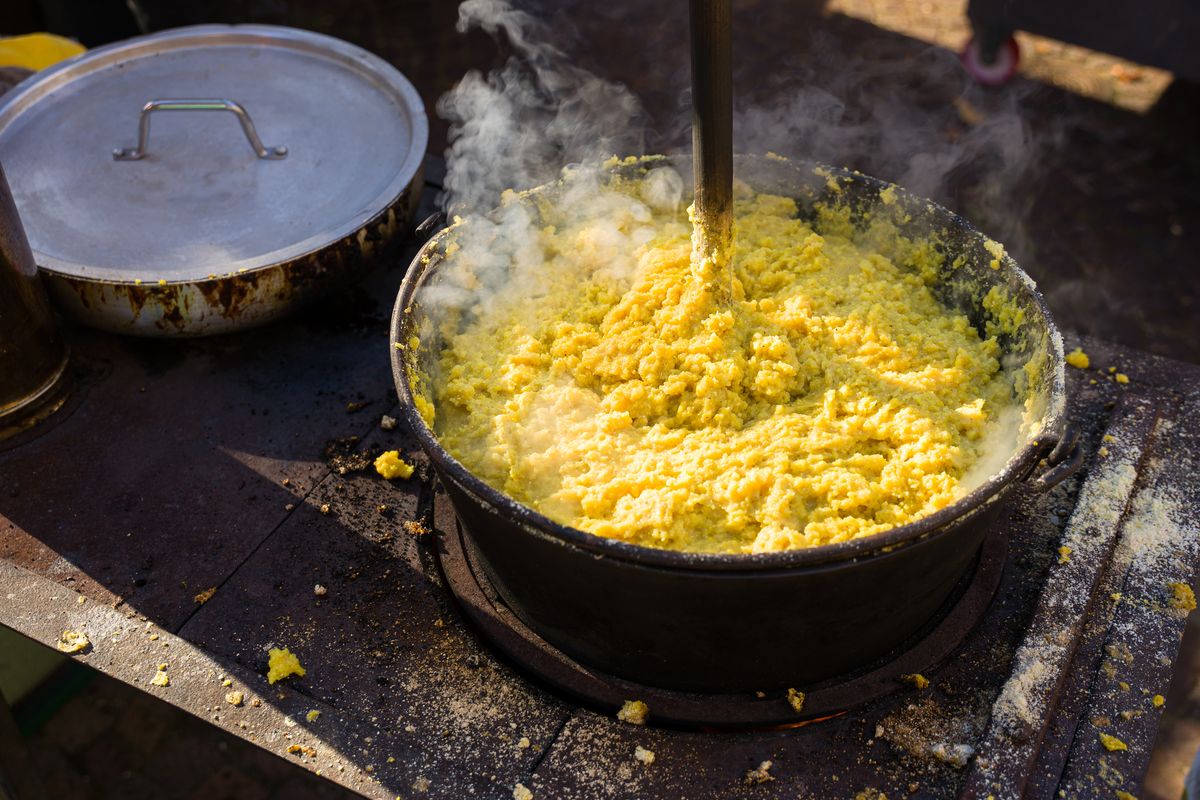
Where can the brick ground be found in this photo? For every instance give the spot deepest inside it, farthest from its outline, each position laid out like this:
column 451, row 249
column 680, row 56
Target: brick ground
column 112, row 741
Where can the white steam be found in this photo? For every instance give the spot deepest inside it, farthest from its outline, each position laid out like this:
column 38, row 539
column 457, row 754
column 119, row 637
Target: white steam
column 520, row 124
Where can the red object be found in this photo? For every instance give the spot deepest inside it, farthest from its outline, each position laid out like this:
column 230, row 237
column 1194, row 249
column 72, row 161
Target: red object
column 999, row 71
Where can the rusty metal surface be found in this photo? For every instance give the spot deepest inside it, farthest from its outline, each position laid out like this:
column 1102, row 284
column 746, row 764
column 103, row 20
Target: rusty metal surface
column 165, row 479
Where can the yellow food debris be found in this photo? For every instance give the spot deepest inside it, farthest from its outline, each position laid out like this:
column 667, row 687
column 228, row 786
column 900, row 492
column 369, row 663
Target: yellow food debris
column 1111, row 370
column 206, row 595
column 643, row 755
column 162, row 281
column 281, row 663
column 760, row 774
column 227, row 682
column 1123, row 685
column 161, row 679
column 1158, row 701
column 73, row 642
column 1121, row 377
column 1121, row 795
column 795, row 700
column 837, row 397
column 634, row 712
column 1064, row 554
column 313, row 715
column 1108, row 437
column 1103, row 451
column 162, row 666
column 234, row 698
column 1078, row 358
column 523, row 744
column 1182, row 597
column 153, row 637
column 1112, row 743
column 918, row 680
column 520, row 792
column 391, row 466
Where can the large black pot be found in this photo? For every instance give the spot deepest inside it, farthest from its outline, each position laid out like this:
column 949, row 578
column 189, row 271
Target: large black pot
column 721, row 623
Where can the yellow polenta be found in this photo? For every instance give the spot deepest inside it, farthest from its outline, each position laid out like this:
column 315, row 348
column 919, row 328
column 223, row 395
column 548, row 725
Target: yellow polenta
column 835, row 398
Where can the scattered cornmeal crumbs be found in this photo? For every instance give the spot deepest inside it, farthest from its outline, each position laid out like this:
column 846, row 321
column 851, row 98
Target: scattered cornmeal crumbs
column 1064, row 554
column 1112, row 743
column 1078, row 358
column 795, row 700
column 414, row 528
column 643, row 755
column 234, row 698
column 760, row 774
column 1125, row 795
column 1121, row 377
column 206, row 595
column 1182, row 597
column 160, row 679
column 520, row 792
column 1158, row 701
column 281, row 664
column 634, row 712
column 391, row 466
column 312, row 716
column 73, row 642
column 524, row 743
column 917, row 680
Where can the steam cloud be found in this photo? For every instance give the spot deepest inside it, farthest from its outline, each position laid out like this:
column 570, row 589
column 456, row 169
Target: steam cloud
column 518, row 125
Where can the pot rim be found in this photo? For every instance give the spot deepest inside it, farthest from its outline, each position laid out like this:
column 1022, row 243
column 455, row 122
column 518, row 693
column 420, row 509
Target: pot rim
column 1019, row 464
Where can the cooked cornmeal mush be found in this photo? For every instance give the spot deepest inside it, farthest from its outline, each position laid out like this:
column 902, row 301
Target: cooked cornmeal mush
column 624, row 394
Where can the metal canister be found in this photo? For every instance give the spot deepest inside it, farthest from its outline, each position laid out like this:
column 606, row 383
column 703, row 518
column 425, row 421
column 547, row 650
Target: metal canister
column 33, row 354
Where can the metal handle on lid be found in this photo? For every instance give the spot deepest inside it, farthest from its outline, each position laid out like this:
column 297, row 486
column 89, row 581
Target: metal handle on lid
column 139, row 152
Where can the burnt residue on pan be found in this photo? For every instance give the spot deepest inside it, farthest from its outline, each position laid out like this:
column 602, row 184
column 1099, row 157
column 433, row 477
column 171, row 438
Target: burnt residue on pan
column 238, row 299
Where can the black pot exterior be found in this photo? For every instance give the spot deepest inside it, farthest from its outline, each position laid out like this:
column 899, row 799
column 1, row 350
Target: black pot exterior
column 717, row 631
column 728, row 623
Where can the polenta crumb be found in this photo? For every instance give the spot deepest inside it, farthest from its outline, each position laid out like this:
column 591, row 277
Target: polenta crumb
column 73, row 642
column 391, row 466
column 1064, row 554
column 634, row 712
column 521, row 792
column 1079, row 359
column 760, row 774
column 281, row 663
column 320, row 591
column 523, row 744
column 1121, row 795
column 161, row 679
column 1121, row 377
column 1103, row 451
column 1112, row 743
column 917, row 680
column 206, row 595
column 1182, row 597
column 1108, row 437
column 312, row 716
column 1158, row 701
column 234, row 698
column 795, row 700
column 643, row 755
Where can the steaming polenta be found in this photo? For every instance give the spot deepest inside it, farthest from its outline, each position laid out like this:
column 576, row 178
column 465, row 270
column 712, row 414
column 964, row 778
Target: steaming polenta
column 836, row 397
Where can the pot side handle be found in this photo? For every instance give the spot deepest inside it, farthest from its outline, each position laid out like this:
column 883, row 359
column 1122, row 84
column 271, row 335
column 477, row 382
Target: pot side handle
column 1063, row 461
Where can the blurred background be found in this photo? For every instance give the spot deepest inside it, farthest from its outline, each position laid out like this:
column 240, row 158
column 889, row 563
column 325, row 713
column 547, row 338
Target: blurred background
column 1083, row 158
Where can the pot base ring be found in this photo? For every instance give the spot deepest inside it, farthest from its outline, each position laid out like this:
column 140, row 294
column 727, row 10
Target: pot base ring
column 538, row 659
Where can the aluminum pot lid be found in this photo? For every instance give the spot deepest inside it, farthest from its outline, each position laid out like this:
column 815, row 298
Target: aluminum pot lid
column 341, row 134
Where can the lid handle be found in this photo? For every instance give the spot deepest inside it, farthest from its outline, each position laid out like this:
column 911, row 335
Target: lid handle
column 139, row 152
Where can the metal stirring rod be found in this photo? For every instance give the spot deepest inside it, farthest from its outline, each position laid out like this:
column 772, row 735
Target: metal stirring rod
column 712, row 127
